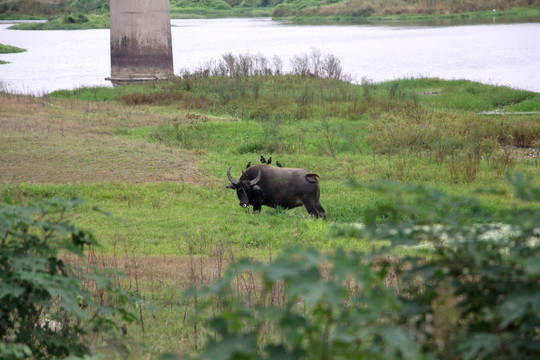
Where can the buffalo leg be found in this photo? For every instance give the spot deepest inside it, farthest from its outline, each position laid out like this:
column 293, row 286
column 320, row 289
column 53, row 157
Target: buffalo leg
column 311, row 209
column 257, row 200
column 321, row 210
column 257, row 205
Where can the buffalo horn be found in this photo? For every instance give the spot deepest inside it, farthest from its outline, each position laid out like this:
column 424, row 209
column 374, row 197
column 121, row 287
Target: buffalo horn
column 257, row 178
column 231, row 179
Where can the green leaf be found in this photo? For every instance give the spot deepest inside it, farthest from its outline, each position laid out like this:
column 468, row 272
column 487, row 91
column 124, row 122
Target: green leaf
column 479, row 346
column 517, row 305
column 10, row 289
column 219, row 325
column 397, row 342
column 279, row 352
column 282, row 269
column 531, row 266
column 232, row 347
column 523, row 187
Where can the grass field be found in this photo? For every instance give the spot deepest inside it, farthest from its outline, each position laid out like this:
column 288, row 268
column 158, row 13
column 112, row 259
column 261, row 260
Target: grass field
column 156, row 158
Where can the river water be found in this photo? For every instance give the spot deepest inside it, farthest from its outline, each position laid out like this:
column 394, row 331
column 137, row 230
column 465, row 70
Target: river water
column 500, row 54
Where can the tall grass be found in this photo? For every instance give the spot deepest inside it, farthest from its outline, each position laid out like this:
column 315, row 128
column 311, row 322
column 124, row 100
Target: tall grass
column 313, row 111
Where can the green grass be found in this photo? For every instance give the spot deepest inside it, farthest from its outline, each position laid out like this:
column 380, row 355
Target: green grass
column 8, row 49
column 69, row 22
column 165, row 218
column 95, row 93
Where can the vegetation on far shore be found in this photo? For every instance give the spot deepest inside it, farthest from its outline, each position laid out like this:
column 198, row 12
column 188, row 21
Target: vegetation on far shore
column 95, row 14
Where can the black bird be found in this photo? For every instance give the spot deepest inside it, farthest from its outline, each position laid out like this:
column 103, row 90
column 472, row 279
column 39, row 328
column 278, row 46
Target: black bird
column 263, row 160
column 269, row 160
column 248, row 165
column 278, row 164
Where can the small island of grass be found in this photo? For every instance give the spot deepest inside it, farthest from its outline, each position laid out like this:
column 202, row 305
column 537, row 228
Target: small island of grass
column 9, row 49
column 68, row 22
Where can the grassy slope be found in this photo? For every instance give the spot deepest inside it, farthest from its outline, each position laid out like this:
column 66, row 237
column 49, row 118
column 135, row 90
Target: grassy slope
column 161, row 170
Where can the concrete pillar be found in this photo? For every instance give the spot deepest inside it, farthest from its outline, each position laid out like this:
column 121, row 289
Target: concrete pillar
column 141, row 47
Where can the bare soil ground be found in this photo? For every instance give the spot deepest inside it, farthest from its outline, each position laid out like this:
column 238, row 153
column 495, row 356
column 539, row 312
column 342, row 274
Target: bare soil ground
column 46, row 141
column 58, row 142
column 181, row 271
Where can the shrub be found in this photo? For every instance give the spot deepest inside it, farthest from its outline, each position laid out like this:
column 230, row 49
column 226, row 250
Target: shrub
column 74, row 19
column 317, row 65
column 318, row 306
column 462, row 288
column 484, row 273
column 46, row 307
column 519, row 133
column 282, row 10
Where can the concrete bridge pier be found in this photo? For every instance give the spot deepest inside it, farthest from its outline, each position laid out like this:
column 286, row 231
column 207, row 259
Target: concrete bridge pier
column 141, row 46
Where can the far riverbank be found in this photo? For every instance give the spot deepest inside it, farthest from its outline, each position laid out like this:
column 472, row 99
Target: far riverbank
column 288, row 13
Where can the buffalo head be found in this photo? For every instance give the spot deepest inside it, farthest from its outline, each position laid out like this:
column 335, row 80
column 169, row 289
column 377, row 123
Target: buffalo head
column 245, row 187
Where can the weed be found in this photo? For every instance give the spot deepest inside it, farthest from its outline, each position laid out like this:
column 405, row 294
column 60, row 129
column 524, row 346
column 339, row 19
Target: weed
column 504, row 161
column 329, row 135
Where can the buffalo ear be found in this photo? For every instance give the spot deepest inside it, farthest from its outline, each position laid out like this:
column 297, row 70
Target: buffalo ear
column 256, row 188
column 230, row 186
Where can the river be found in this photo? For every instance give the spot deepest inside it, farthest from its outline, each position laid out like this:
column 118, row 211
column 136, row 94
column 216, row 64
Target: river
column 499, row 54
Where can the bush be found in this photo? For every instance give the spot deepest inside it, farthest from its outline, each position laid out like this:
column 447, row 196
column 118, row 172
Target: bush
column 282, row 10
column 470, row 288
column 74, row 19
column 46, row 307
column 319, row 306
column 461, row 289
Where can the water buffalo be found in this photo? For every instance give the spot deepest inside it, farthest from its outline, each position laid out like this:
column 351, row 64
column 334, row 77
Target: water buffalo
column 271, row 186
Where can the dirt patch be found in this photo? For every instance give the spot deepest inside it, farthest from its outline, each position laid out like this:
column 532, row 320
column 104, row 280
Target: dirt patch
column 181, row 271
column 59, row 142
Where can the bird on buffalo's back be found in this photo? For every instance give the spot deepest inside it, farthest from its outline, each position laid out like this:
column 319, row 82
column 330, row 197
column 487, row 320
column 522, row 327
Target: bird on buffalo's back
column 269, row 160
column 263, row 160
column 248, row 165
column 278, row 164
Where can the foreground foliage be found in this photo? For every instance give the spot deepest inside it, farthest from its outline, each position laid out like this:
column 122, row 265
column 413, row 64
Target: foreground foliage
column 459, row 291
column 49, row 307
